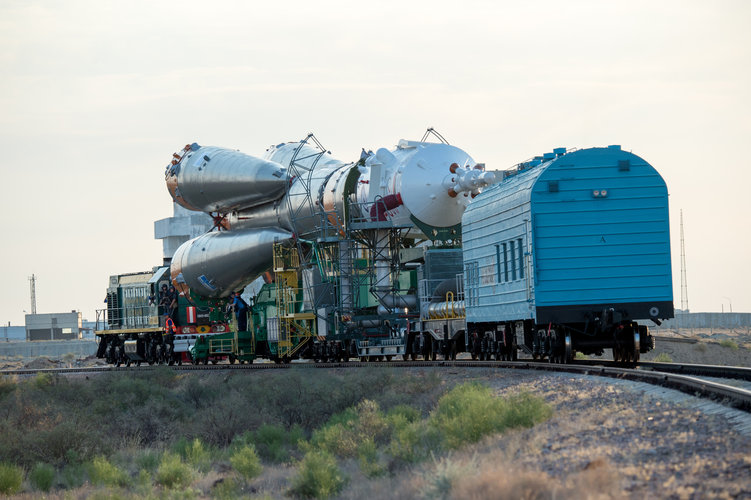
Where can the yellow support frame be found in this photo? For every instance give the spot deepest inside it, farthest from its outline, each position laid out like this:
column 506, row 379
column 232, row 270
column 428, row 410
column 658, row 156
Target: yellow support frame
column 293, row 325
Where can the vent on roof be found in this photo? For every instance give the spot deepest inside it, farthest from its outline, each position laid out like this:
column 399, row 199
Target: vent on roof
column 624, row 165
column 552, row 186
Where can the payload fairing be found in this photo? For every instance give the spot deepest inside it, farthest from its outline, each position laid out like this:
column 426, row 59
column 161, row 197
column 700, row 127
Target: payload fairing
column 288, row 193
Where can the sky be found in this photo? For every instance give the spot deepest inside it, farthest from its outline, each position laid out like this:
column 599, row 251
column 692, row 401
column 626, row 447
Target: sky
column 96, row 95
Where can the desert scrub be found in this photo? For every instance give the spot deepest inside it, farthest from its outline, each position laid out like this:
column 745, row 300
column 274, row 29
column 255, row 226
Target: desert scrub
column 444, row 473
column 11, row 478
column 367, row 455
column 246, row 462
column 414, row 441
column 273, row 442
column 103, row 472
column 469, row 412
column 194, row 452
column 147, row 459
column 42, row 476
column 318, row 476
column 7, row 386
column 172, row 472
column 729, row 344
column 663, row 357
column 344, row 432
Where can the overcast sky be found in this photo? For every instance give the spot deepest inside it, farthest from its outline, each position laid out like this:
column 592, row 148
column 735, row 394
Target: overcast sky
column 95, row 96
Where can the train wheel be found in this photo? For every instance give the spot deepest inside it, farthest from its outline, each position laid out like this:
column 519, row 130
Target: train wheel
column 232, row 359
column 405, row 357
column 414, row 357
column 388, row 357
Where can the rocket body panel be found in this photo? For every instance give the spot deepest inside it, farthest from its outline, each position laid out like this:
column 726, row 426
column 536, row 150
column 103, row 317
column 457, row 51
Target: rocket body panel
column 419, row 173
column 323, row 177
column 211, row 179
column 218, row 263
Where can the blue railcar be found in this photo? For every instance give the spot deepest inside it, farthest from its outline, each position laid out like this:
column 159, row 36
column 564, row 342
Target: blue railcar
column 567, row 253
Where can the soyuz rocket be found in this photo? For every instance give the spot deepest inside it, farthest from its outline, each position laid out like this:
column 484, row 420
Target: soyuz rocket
column 287, row 193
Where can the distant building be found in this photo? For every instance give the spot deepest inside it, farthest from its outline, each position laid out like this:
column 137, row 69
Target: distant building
column 53, row 326
column 182, row 226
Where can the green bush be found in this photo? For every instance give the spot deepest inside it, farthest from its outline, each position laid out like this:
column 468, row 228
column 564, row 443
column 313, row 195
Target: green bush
column 414, row 441
column 73, row 476
column 274, row 442
column 228, row 488
column 173, row 473
column 663, row 358
column 103, row 472
column 11, row 478
column 7, row 386
column 729, row 344
column 470, row 411
column 148, row 460
column 246, row 462
column 318, row 476
column 404, row 413
column 367, row 455
column 344, row 432
column 194, row 453
column 42, row 476
column 43, row 380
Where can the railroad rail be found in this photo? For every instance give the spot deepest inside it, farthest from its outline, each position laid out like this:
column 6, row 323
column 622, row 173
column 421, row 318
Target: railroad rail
column 682, row 377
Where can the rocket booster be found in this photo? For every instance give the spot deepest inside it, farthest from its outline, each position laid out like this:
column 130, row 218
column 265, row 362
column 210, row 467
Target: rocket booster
column 259, row 200
column 210, row 179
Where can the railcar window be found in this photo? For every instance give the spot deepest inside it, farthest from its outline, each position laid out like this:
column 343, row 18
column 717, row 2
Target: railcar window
column 498, row 263
column 521, row 258
column 505, row 263
column 513, row 260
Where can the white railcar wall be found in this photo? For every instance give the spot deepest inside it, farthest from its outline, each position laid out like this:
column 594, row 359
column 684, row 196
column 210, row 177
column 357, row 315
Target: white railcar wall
column 496, row 217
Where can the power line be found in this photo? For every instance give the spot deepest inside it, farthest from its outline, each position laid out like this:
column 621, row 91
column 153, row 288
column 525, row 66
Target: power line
column 684, row 284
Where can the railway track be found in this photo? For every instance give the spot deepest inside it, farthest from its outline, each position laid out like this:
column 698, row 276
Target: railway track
column 683, row 377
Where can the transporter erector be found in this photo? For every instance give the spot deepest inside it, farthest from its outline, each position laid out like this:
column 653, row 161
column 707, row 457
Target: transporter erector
column 390, row 256
column 352, row 227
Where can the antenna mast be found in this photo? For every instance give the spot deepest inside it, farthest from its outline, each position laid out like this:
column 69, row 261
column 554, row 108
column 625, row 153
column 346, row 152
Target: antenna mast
column 33, row 287
column 684, row 285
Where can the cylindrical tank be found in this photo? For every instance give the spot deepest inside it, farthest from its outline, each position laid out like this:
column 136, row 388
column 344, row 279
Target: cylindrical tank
column 219, row 263
column 211, row 179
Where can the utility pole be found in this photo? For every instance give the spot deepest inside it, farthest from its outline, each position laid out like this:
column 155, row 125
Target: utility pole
column 684, row 284
column 33, row 287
